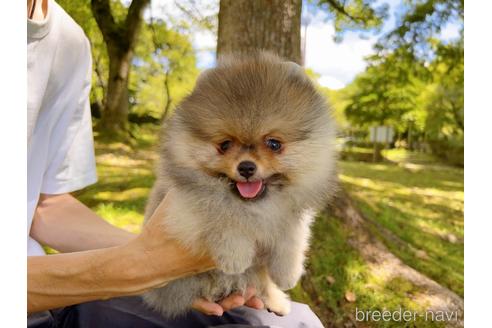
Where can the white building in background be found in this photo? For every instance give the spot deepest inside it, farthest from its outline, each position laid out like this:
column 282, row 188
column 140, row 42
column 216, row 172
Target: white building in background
column 381, row 134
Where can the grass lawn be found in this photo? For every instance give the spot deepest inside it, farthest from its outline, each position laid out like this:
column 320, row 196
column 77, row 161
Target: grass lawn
column 423, row 207
column 420, row 203
column 126, row 176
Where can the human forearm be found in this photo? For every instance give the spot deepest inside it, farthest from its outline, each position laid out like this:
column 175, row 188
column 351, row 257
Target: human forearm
column 149, row 260
column 65, row 279
column 67, row 225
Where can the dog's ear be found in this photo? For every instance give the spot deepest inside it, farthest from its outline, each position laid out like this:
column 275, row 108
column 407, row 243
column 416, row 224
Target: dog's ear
column 203, row 75
column 295, row 69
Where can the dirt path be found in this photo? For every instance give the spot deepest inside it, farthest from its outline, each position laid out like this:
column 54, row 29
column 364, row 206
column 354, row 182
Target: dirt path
column 386, row 265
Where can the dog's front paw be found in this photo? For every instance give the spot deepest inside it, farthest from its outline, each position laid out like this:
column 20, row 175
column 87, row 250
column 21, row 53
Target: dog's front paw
column 231, row 265
column 277, row 302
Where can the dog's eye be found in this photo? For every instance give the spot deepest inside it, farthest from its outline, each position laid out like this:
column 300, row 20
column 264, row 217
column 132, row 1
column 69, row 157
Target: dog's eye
column 273, row 144
column 224, row 146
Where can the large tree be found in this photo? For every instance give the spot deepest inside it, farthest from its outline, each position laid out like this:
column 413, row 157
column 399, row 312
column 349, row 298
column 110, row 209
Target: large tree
column 246, row 25
column 120, row 36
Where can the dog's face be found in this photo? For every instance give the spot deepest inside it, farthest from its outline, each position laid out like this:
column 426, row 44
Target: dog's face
column 252, row 164
column 255, row 126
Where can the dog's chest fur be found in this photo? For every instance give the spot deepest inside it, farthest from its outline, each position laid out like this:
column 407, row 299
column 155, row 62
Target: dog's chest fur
column 202, row 218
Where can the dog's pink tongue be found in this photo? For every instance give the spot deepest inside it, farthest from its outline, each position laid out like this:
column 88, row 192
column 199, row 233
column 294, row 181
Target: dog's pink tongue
column 249, row 189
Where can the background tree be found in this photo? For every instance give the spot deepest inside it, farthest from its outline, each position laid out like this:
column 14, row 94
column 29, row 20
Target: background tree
column 165, row 73
column 381, row 95
column 163, row 68
column 246, row 25
column 120, row 35
column 444, row 125
column 415, row 81
column 387, row 93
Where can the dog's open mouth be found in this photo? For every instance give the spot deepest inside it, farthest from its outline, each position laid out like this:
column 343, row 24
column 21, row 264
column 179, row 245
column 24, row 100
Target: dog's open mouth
column 254, row 190
column 249, row 190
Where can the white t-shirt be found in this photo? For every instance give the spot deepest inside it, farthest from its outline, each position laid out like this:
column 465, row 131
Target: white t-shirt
column 60, row 150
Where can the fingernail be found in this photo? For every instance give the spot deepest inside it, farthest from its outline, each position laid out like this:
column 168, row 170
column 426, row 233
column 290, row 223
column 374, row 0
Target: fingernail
column 218, row 313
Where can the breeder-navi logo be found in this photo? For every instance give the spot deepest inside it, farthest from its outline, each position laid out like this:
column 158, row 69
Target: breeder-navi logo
column 401, row 315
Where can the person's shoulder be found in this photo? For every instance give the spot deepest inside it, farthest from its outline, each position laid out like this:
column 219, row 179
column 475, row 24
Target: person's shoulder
column 71, row 35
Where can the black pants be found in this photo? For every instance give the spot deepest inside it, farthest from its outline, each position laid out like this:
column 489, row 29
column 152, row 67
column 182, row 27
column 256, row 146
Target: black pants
column 131, row 312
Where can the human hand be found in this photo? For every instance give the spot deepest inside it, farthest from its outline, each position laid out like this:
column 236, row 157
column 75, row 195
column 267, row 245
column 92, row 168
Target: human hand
column 230, row 302
column 164, row 257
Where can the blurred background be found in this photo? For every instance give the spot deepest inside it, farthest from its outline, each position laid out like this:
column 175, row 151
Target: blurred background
column 392, row 71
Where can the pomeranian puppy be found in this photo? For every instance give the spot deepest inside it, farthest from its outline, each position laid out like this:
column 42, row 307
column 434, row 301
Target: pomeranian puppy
column 250, row 157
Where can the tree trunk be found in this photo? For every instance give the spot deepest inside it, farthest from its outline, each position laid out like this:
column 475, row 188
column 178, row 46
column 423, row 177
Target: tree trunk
column 249, row 25
column 409, row 137
column 377, row 156
column 100, row 83
column 120, row 38
column 115, row 113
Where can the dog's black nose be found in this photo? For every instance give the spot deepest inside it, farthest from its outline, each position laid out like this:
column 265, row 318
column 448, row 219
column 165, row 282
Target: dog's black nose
column 246, row 169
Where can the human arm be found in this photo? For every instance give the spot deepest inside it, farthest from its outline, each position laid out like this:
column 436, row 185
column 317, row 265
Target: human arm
column 147, row 261
column 65, row 224
column 127, row 265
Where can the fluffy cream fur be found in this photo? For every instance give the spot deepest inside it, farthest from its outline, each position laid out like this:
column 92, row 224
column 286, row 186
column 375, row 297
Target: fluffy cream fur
column 259, row 242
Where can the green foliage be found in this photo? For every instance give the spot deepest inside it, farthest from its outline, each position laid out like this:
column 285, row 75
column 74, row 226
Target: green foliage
column 166, row 71
column 422, row 22
column 312, row 74
column 415, row 81
column 336, row 100
column 404, row 157
column 385, row 94
column 354, row 14
column 445, row 103
column 164, row 66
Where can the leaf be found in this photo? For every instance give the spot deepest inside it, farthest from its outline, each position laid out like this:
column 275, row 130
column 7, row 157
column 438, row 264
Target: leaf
column 350, row 297
column 330, row 280
column 452, row 238
column 421, row 254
